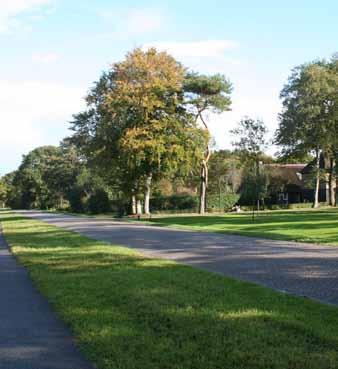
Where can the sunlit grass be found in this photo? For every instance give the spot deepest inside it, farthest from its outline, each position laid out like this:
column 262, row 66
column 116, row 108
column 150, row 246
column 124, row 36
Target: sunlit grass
column 317, row 226
column 132, row 312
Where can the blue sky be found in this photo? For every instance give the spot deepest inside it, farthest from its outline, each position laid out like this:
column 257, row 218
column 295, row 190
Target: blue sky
column 52, row 50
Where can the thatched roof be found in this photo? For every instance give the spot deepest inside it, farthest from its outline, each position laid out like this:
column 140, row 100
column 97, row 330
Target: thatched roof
column 290, row 174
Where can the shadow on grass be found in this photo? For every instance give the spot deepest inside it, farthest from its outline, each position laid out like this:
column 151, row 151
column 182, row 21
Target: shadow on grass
column 133, row 312
column 9, row 219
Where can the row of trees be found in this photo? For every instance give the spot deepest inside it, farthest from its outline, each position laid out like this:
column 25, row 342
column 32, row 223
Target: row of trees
column 58, row 177
column 55, row 177
column 145, row 128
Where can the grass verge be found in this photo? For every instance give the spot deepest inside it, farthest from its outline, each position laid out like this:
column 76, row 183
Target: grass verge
column 132, row 312
column 316, row 226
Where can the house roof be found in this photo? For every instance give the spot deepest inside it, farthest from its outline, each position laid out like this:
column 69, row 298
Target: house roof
column 323, row 163
column 291, row 174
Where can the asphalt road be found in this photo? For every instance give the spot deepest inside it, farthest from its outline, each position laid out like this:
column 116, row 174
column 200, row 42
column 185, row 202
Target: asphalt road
column 31, row 336
column 301, row 269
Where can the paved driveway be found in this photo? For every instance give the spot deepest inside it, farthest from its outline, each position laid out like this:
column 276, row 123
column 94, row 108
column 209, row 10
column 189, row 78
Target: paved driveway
column 301, row 269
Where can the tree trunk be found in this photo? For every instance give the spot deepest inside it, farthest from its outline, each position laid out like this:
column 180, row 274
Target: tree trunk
column 316, row 194
column 133, row 205
column 332, row 183
column 147, row 194
column 204, row 170
column 203, row 188
column 139, row 207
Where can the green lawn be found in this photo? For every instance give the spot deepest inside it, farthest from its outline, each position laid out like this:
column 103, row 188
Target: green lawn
column 318, row 226
column 132, row 312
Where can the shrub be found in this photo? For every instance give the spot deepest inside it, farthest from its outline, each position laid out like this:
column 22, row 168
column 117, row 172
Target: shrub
column 99, row 202
column 221, row 203
column 77, row 200
column 174, row 202
column 120, row 207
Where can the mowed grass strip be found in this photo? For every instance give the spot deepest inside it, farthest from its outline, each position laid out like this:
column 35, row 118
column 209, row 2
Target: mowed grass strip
column 314, row 226
column 132, row 312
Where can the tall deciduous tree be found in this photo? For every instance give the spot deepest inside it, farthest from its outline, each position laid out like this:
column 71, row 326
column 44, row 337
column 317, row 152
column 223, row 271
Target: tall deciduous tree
column 206, row 93
column 135, row 126
column 308, row 122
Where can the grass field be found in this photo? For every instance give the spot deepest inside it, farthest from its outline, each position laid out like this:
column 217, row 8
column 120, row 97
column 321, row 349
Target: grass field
column 318, row 226
column 131, row 312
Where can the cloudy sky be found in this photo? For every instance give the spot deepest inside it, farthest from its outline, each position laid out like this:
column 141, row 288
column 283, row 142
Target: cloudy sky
column 52, row 50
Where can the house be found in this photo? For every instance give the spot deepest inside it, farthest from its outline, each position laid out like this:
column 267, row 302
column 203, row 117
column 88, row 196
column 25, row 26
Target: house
column 294, row 183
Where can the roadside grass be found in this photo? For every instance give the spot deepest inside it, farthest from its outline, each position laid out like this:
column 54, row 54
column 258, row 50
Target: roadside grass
column 316, row 226
column 132, row 312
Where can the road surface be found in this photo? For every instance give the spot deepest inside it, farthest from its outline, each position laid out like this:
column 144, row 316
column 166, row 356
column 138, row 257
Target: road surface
column 302, row 269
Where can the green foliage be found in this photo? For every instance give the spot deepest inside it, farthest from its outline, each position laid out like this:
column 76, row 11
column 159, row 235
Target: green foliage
column 99, row 202
column 30, row 179
column 77, row 200
column 225, row 172
column 251, row 139
column 222, row 202
column 120, row 206
column 44, row 178
column 3, row 193
column 204, row 92
column 309, row 118
column 174, row 202
column 255, row 186
column 250, row 144
column 135, row 126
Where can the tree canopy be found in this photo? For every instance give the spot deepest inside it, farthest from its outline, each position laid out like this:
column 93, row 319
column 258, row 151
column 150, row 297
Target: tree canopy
column 136, row 127
column 309, row 119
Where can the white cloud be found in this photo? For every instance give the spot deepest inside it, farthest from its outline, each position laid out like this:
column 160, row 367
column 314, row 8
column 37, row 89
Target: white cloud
column 254, row 104
column 196, row 49
column 45, row 58
column 205, row 56
column 253, row 97
column 34, row 114
column 11, row 9
column 133, row 22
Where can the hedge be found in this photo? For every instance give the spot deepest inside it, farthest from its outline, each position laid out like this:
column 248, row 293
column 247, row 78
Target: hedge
column 174, row 202
column 221, row 203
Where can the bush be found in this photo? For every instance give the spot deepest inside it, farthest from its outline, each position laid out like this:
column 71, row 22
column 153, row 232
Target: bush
column 77, row 200
column 175, row 212
column 221, row 203
column 120, row 207
column 98, row 202
column 174, row 202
